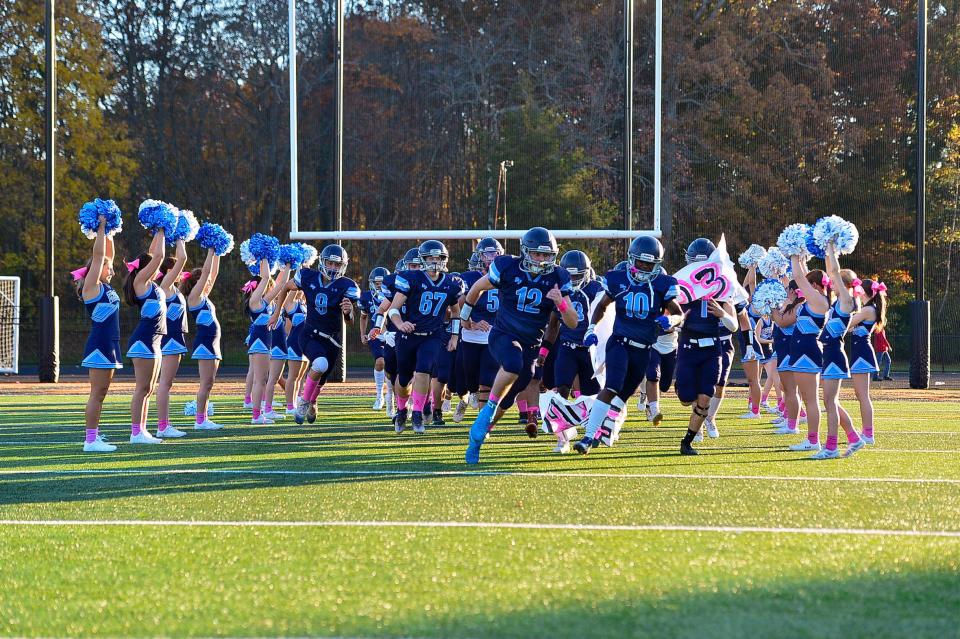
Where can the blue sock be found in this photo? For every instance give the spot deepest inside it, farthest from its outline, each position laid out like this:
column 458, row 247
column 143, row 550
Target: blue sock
column 482, row 424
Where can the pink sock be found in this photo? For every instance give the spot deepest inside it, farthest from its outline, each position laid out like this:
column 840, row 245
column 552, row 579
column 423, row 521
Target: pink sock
column 613, row 414
column 290, row 406
column 522, row 405
column 401, row 402
column 91, row 435
column 315, row 392
column 201, row 418
column 755, row 409
column 576, row 394
column 852, row 437
column 308, row 385
column 247, row 399
column 803, row 412
column 419, row 401
column 135, row 429
column 868, row 430
column 162, row 424
column 831, row 442
column 763, row 398
column 781, row 405
column 814, row 438
column 269, row 408
column 792, row 424
column 493, row 398
column 256, row 413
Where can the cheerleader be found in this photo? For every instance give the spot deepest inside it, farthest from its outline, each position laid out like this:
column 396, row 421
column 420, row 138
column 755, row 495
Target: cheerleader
column 101, row 355
column 143, row 349
column 172, row 346
column 206, row 339
column 294, row 313
column 278, row 347
column 764, row 337
column 872, row 317
column 750, row 360
column 806, row 350
column 260, row 339
column 836, row 368
column 784, row 320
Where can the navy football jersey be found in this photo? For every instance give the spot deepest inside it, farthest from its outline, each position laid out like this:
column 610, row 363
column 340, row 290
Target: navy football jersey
column 700, row 323
column 593, row 288
column 323, row 302
column 639, row 305
column 428, row 300
column 524, row 307
column 369, row 302
column 581, row 304
column 487, row 304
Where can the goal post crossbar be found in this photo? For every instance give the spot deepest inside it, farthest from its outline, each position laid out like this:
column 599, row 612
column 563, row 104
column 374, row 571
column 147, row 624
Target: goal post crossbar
column 468, row 234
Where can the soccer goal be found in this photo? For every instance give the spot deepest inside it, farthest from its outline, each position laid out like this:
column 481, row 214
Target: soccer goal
column 339, row 234
column 9, row 324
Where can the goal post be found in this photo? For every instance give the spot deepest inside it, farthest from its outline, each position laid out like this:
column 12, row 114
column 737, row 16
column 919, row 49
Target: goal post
column 9, row 324
column 472, row 234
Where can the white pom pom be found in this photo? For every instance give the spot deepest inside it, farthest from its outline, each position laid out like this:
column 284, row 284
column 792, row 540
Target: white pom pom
column 842, row 233
column 770, row 294
column 774, row 264
column 245, row 255
column 752, row 256
column 793, row 240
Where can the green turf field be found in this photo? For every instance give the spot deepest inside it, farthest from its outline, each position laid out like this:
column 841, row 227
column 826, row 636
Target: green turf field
column 345, row 529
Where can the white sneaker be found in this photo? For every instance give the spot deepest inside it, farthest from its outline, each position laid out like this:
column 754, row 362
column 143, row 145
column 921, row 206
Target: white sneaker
column 275, row 416
column 391, row 409
column 262, row 420
column 562, row 448
column 445, row 406
column 420, row 430
column 785, row 430
column 778, row 420
column 378, row 403
column 145, row 438
column 646, row 409
column 290, row 412
column 474, row 402
column 806, row 445
column 301, row 411
column 170, row 433
column 207, row 425
column 712, row 431
column 854, row 447
column 460, row 412
column 98, row 446
column 247, row 405
column 699, row 436
column 750, row 415
column 642, row 403
column 867, row 439
column 826, row 453
column 767, row 407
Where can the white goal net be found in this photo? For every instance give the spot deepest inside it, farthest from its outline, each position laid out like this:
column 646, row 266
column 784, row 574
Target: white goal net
column 9, row 324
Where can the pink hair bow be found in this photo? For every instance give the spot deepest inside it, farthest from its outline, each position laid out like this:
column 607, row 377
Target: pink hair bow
column 879, row 287
column 857, row 286
column 249, row 286
column 185, row 276
column 132, row 266
column 79, row 274
column 825, row 282
column 800, row 294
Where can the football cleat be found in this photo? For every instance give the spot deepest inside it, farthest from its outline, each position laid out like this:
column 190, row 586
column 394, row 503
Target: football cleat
column 687, row 449
column 712, row 431
column 584, row 445
column 532, row 424
column 438, row 418
column 460, row 412
column 378, row 403
column 400, row 420
column 312, row 412
column 698, row 437
column 301, row 411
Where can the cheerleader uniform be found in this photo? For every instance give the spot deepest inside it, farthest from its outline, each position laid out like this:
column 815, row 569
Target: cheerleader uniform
column 278, row 349
column 103, row 345
column 753, row 318
column 206, row 341
column 782, row 336
column 806, row 351
column 767, row 331
column 835, row 364
column 145, row 341
column 297, row 317
column 260, row 340
column 861, row 350
column 173, row 343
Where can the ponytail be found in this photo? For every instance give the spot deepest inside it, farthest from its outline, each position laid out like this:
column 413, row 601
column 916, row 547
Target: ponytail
column 186, row 286
column 878, row 301
column 129, row 294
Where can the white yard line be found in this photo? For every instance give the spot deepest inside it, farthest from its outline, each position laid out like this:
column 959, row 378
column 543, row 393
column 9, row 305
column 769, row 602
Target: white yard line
column 464, row 473
column 872, row 532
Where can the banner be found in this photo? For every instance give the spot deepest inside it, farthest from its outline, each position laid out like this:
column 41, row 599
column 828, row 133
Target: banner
column 714, row 279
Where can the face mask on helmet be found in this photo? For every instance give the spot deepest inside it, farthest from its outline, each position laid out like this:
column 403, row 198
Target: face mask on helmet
column 434, row 263
column 642, row 270
column 488, row 256
column 334, row 268
column 577, row 278
column 375, row 284
column 538, row 262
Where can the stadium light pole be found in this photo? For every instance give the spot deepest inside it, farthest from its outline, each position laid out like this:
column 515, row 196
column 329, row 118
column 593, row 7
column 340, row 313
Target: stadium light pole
column 49, row 360
column 920, row 307
column 628, row 114
column 338, row 163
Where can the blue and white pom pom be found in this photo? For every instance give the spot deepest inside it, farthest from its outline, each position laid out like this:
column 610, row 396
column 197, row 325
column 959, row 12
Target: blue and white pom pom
column 214, row 236
column 774, row 264
column 291, row 255
column 245, row 255
column 793, row 240
column 264, row 247
column 752, row 256
column 834, row 228
column 186, row 228
column 254, row 268
column 310, row 255
column 812, row 247
column 770, row 294
column 155, row 215
column 89, row 218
